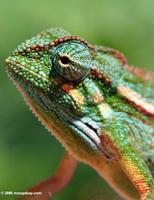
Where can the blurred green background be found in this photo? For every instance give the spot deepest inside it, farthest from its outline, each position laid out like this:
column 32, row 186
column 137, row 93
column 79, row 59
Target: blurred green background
column 28, row 153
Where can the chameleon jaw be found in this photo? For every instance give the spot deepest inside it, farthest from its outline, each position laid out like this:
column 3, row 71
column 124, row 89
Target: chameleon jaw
column 94, row 137
column 89, row 134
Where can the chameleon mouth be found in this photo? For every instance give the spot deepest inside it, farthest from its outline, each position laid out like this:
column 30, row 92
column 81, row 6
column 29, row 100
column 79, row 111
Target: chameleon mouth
column 93, row 136
column 90, row 131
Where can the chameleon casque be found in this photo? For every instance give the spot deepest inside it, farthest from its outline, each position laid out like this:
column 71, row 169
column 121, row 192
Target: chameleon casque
column 98, row 107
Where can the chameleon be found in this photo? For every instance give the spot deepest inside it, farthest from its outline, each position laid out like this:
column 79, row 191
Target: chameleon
column 100, row 108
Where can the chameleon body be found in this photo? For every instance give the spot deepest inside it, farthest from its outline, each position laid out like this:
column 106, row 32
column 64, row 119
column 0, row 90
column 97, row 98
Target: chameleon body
column 99, row 108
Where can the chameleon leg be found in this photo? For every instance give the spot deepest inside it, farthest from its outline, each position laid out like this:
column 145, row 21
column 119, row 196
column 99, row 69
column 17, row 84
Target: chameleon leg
column 56, row 183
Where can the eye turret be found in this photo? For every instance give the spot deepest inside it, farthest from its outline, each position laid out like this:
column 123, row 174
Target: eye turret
column 72, row 60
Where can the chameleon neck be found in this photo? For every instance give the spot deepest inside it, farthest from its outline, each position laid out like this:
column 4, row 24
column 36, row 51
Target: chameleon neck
column 116, row 178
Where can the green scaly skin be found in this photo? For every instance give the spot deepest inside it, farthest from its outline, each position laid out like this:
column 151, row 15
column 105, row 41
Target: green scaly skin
column 95, row 122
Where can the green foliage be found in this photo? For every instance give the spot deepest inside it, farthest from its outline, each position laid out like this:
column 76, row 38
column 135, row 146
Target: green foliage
column 27, row 152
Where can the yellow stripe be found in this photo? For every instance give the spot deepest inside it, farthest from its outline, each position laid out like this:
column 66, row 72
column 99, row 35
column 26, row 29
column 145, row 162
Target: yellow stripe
column 74, row 93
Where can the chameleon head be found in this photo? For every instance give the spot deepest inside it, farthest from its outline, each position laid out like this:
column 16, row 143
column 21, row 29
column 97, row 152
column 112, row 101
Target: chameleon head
column 52, row 70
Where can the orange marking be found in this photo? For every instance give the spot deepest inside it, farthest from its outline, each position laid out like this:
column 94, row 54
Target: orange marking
column 73, row 93
column 56, row 42
column 120, row 56
column 137, row 178
column 146, row 75
column 67, row 38
column 76, row 96
column 97, row 97
column 67, row 88
column 135, row 98
column 101, row 76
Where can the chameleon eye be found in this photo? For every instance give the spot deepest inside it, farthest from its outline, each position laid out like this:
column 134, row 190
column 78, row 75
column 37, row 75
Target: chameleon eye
column 72, row 60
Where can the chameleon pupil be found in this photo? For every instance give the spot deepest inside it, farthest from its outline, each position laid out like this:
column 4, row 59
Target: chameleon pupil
column 64, row 60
